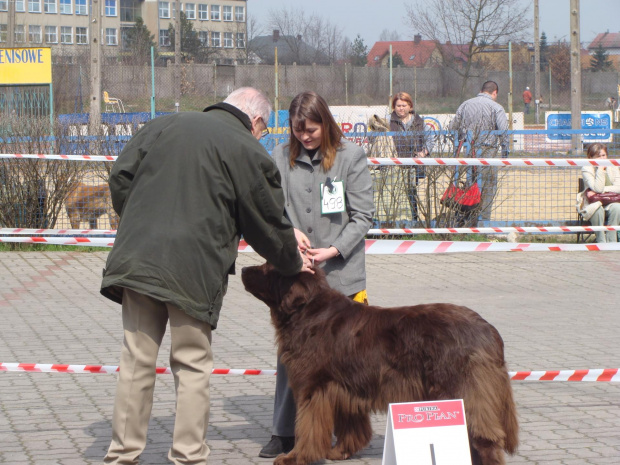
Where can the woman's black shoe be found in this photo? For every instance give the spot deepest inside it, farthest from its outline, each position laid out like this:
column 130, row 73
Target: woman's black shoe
column 278, row 445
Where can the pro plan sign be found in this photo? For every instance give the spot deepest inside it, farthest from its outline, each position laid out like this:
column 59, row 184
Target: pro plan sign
column 427, row 433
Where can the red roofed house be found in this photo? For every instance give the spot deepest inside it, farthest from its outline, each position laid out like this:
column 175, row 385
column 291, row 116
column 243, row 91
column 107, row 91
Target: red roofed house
column 419, row 53
column 610, row 41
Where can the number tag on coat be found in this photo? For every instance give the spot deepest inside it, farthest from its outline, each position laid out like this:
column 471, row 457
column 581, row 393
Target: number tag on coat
column 332, row 197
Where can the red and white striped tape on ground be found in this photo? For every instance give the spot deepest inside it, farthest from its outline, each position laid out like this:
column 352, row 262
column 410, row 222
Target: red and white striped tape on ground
column 603, row 374
column 80, row 369
column 386, row 161
column 373, row 247
column 375, row 232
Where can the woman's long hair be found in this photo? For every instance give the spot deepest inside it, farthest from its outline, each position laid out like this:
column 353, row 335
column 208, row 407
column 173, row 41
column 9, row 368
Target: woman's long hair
column 311, row 106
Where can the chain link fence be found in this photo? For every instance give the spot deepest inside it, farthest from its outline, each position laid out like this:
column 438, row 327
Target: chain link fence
column 72, row 194
column 434, row 90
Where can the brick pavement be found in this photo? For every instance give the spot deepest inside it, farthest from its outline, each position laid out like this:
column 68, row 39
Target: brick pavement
column 554, row 311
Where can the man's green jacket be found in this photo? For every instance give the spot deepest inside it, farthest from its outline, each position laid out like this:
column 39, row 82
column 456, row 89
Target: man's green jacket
column 186, row 186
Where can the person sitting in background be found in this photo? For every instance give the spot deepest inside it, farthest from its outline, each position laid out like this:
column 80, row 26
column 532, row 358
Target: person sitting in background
column 414, row 142
column 598, row 179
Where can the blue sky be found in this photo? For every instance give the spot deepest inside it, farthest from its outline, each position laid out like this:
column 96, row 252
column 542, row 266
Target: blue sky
column 370, row 17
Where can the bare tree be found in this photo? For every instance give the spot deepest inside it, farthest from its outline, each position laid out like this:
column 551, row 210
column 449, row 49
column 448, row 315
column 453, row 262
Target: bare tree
column 253, row 30
column 389, row 36
column 468, row 27
column 310, row 38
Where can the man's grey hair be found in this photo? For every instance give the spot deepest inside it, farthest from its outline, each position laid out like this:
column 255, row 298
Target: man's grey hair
column 250, row 101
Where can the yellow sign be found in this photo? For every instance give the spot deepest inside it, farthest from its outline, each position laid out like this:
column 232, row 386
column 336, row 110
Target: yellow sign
column 25, row 65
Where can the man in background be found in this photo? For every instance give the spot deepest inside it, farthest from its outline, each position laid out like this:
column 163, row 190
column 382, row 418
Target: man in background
column 473, row 121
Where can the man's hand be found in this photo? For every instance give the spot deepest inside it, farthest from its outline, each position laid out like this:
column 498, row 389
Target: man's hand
column 302, row 240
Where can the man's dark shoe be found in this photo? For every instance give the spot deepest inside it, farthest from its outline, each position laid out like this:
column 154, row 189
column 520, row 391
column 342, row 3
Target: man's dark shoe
column 278, row 445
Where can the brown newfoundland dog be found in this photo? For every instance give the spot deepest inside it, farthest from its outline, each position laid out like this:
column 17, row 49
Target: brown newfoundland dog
column 346, row 359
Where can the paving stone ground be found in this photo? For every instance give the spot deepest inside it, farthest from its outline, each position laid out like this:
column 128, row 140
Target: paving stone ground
column 555, row 311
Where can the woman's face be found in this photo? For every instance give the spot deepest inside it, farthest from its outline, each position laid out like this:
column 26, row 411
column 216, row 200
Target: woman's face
column 311, row 137
column 600, row 154
column 402, row 108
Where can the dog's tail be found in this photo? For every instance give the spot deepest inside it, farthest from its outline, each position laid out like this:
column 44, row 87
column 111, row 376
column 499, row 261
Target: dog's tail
column 509, row 419
column 492, row 414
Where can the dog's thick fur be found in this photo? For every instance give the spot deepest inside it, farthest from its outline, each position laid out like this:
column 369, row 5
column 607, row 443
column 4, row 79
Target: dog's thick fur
column 87, row 203
column 345, row 360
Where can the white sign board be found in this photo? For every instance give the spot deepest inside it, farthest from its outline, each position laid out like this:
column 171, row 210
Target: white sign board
column 427, row 433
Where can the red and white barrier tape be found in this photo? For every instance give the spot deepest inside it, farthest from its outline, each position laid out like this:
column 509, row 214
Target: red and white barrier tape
column 46, row 156
column 600, row 375
column 85, row 241
column 373, row 246
column 386, row 161
column 546, row 162
column 493, row 230
column 80, row 369
column 396, row 247
column 374, row 232
column 60, row 232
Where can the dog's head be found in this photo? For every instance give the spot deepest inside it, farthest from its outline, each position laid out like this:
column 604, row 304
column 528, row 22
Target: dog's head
column 284, row 295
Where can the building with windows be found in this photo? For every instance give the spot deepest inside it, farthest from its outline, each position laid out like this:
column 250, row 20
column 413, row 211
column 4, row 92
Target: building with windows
column 64, row 25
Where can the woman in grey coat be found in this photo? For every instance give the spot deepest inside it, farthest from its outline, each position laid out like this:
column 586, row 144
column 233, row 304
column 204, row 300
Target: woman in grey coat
column 329, row 200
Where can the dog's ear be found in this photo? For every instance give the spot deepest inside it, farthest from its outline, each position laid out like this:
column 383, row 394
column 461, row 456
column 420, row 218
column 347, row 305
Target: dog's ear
column 300, row 290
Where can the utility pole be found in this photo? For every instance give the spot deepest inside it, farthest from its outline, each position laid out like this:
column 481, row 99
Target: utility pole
column 177, row 55
column 575, row 78
column 11, row 26
column 537, row 92
column 94, row 126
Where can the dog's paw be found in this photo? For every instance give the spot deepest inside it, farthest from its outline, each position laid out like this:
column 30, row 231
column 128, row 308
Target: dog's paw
column 288, row 459
column 337, row 454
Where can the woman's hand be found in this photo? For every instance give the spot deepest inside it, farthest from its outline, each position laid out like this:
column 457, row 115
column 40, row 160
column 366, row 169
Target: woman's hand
column 422, row 154
column 322, row 255
column 303, row 243
column 307, row 265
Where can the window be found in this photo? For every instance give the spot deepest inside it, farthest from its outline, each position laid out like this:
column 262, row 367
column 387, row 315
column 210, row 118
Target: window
column 20, row 33
column 203, row 12
column 130, row 10
column 81, row 35
column 164, row 11
column 190, row 10
column 80, row 7
column 228, row 40
column 51, row 34
column 240, row 14
column 4, row 33
column 215, row 12
column 111, row 37
column 34, row 34
column 65, row 7
column 110, row 7
column 66, row 35
column 34, row 6
column 49, row 6
column 164, row 38
column 20, row 6
column 240, row 40
column 4, row 5
column 203, row 36
column 227, row 13
column 215, row 39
